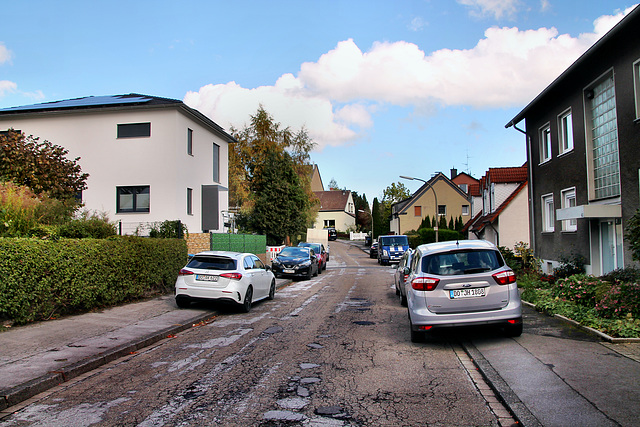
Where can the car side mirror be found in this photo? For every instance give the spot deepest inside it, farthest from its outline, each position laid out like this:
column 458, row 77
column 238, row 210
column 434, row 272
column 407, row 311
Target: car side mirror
column 406, row 270
column 267, row 267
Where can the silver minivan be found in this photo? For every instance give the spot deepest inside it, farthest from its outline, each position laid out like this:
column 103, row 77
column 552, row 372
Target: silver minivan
column 461, row 283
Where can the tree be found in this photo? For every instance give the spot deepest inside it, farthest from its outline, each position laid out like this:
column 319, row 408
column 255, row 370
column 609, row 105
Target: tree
column 392, row 194
column 41, row 166
column 333, row 184
column 278, row 200
column 633, row 235
column 380, row 224
column 363, row 219
column 258, row 146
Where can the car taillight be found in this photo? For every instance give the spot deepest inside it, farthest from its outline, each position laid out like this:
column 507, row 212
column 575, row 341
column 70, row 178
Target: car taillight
column 505, row 277
column 406, row 276
column 234, row 276
column 185, row 272
column 424, row 283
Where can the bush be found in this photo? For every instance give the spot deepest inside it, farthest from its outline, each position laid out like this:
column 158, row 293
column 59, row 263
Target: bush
column 580, row 289
column 621, row 299
column 627, row 274
column 87, row 226
column 569, row 266
column 42, row 279
column 168, row 230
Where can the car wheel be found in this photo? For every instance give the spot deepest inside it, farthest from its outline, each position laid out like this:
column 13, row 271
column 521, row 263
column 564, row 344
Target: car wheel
column 395, row 285
column 183, row 302
column 416, row 336
column 403, row 299
column 272, row 290
column 248, row 296
column 319, row 269
column 513, row 330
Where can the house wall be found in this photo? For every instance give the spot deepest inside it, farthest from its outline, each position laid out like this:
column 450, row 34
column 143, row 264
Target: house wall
column 160, row 161
column 343, row 220
column 446, row 196
column 570, row 169
column 514, row 221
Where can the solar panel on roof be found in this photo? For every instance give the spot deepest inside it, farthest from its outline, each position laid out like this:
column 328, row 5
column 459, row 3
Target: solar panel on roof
column 82, row 102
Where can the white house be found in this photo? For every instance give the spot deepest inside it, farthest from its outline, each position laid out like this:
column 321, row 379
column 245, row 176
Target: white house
column 336, row 210
column 148, row 158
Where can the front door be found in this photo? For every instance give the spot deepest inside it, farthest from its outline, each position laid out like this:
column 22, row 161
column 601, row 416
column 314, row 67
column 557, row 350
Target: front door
column 610, row 246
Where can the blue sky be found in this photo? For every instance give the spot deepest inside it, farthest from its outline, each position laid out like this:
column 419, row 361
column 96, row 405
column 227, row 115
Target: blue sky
column 385, row 88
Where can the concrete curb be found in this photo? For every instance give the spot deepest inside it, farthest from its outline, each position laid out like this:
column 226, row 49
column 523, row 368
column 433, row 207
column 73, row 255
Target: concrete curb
column 22, row 392
column 592, row 331
column 502, row 390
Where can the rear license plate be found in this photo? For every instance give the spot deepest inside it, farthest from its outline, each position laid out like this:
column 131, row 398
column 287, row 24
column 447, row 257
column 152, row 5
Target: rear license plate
column 206, row 278
column 288, row 271
column 467, row 293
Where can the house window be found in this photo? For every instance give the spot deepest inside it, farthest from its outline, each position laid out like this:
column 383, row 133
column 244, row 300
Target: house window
column 602, row 131
column 548, row 213
column 189, row 201
column 636, row 86
column 569, row 201
column 465, row 209
column 464, row 187
column 216, row 163
column 417, row 211
column 134, row 130
column 565, row 127
column 545, row 143
column 329, row 223
column 132, row 199
column 442, row 210
column 190, row 142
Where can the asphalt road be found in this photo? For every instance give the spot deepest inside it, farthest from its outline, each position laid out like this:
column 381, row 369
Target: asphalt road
column 331, row 351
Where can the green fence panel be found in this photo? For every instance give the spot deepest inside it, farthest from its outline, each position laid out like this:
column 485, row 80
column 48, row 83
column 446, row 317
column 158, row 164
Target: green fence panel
column 255, row 244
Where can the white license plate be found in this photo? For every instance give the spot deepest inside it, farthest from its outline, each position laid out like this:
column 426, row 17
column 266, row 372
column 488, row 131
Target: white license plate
column 288, row 271
column 206, row 278
column 467, row 293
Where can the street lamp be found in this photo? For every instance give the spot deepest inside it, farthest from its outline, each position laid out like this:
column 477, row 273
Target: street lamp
column 411, row 178
column 371, row 215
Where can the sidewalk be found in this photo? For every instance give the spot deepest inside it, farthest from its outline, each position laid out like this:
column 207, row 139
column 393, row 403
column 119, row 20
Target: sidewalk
column 35, row 358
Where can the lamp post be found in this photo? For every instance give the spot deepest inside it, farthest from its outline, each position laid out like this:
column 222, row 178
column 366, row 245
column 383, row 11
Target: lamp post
column 371, row 215
column 411, row 178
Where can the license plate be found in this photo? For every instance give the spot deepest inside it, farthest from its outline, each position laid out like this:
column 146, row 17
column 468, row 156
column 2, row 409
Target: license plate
column 206, row 278
column 288, row 271
column 467, row 293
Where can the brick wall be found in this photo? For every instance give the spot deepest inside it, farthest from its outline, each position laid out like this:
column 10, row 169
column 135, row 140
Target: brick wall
column 198, row 242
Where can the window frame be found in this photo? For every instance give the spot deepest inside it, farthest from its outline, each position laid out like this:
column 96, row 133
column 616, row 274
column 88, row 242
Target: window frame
column 135, row 189
column 548, row 213
column 565, row 132
column 544, row 145
column 444, row 208
column 568, row 225
column 417, row 211
column 465, row 210
column 190, row 142
column 636, row 86
column 216, row 163
column 189, row 201
column 133, row 130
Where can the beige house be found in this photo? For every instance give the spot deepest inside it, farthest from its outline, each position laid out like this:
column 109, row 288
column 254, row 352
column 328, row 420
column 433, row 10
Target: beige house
column 504, row 218
column 452, row 202
column 336, row 210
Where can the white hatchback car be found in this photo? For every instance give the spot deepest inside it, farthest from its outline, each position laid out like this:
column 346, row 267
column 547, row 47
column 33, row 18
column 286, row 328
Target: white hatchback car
column 240, row 278
column 461, row 283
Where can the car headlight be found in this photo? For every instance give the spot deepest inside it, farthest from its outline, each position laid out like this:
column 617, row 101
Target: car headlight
column 305, row 264
column 275, row 261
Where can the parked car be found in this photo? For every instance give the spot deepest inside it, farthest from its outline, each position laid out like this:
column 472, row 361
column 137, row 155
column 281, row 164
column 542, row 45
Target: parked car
column 373, row 250
column 321, row 254
column 459, row 284
column 333, row 234
column 295, row 261
column 391, row 248
column 400, row 276
column 240, row 278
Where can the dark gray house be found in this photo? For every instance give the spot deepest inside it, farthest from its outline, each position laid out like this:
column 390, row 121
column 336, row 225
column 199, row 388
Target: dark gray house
column 583, row 148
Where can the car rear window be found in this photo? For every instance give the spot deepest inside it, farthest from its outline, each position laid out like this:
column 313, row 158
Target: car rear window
column 212, row 263
column 461, row 262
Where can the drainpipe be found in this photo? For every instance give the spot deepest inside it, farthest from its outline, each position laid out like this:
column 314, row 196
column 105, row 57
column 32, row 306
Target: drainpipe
column 532, row 234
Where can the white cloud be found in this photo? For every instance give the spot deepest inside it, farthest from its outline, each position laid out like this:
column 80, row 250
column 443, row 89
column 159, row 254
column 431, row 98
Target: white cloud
column 496, row 8
column 7, row 87
column 417, row 24
column 5, row 54
column 336, row 96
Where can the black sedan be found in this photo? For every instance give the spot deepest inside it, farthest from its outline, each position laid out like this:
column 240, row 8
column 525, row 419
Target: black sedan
column 293, row 261
column 373, row 250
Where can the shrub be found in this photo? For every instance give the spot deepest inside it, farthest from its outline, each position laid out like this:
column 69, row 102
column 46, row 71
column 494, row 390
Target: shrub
column 621, row 299
column 580, row 289
column 42, row 279
column 573, row 264
column 88, row 225
column 627, row 274
column 633, row 234
column 17, row 210
column 168, row 230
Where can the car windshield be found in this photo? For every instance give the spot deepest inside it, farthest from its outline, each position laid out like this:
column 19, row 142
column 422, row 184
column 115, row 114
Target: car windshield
column 291, row 251
column 394, row 241
column 209, row 262
column 314, row 246
column 461, row 262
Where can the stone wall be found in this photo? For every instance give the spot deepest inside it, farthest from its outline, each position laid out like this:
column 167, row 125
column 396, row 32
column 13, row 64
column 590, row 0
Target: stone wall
column 198, row 242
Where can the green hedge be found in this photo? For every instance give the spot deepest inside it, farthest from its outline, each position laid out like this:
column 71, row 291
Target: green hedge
column 41, row 279
column 428, row 235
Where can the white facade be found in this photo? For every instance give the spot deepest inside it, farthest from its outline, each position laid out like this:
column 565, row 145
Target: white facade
column 160, row 161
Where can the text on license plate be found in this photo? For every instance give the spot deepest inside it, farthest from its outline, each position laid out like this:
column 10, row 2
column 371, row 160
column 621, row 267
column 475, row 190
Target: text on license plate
column 467, row 293
column 206, row 278
column 288, row 271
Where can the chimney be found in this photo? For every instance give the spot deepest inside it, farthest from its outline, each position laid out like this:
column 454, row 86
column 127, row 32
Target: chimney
column 454, row 172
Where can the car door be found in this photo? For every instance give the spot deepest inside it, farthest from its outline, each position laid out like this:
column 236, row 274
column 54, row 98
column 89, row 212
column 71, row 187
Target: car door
column 264, row 282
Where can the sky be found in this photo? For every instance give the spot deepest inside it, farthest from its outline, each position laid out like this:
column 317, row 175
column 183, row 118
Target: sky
column 383, row 87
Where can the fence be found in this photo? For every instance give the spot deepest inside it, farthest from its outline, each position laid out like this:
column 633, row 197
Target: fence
column 272, row 251
column 251, row 243
column 357, row 236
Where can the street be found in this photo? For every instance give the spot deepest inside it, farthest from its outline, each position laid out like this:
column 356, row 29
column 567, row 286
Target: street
column 331, row 351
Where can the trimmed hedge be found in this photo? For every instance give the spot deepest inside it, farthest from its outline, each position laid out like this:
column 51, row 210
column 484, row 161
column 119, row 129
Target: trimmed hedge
column 42, row 279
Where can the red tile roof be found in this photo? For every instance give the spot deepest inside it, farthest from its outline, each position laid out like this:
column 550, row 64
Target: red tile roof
column 508, row 175
column 335, row 200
